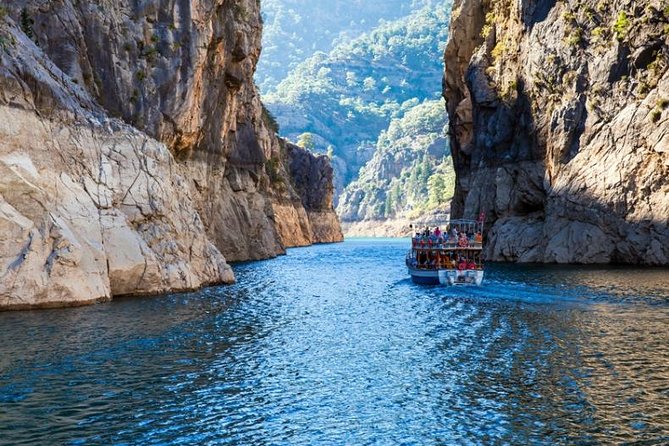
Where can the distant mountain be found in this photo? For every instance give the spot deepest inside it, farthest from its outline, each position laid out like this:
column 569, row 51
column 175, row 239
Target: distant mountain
column 346, row 97
column 295, row 29
column 374, row 97
column 411, row 172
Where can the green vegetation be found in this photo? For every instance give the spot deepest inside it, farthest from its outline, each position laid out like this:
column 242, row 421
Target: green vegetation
column 306, row 141
column 269, row 119
column 643, row 88
column 621, row 27
column 489, row 23
column 499, row 50
column 150, row 54
column 602, row 6
column 650, row 77
column 575, row 37
column 598, row 32
column 347, row 97
column 569, row 16
column 660, row 106
column 273, row 170
column 27, row 23
column 294, row 30
column 655, row 115
column 368, row 97
column 3, row 12
column 135, row 96
column 411, row 171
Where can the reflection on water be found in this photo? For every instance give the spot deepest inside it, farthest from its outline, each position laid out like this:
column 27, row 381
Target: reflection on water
column 333, row 344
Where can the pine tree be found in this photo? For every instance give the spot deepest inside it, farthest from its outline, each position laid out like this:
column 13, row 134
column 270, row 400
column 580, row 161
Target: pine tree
column 306, row 141
column 437, row 193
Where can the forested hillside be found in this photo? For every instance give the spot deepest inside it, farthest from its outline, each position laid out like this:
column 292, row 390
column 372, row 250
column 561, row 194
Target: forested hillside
column 295, row 29
column 341, row 101
column 410, row 173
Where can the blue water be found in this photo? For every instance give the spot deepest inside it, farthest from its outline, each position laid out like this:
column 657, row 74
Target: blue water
column 333, row 344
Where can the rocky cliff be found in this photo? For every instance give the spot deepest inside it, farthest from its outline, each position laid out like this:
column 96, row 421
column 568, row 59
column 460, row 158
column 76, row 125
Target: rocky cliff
column 559, row 116
column 135, row 153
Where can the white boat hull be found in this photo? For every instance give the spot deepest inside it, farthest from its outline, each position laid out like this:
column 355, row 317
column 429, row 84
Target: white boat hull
column 446, row 276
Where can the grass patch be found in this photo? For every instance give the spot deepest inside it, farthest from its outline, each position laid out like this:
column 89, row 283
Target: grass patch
column 568, row 16
column 575, row 38
column 499, row 50
column 487, row 27
column 621, row 27
column 273, row 171
column 655, row 115
column 269, row 119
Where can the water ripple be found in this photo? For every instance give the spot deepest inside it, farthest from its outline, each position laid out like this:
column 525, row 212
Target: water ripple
column 333, row 344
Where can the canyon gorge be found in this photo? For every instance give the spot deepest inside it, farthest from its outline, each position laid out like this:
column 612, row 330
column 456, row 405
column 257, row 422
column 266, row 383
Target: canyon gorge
column 137, row 156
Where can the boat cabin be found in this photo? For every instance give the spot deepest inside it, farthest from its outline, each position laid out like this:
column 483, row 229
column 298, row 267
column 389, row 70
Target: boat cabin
column 458, row 245
column 453, row 251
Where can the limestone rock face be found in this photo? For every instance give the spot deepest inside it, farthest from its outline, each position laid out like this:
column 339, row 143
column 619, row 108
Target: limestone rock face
column 313, row 179
column 559, row 116
column 134, row 157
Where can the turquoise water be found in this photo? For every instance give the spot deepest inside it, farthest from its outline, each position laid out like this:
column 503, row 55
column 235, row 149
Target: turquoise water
column 333, row 344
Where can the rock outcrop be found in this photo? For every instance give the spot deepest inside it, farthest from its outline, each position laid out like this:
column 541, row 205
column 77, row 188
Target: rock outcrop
column 559, row 122
column 135, row 156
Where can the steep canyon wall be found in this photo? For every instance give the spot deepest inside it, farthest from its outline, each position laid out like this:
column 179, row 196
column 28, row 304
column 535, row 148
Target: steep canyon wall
column 135, row 155
column 559, row 123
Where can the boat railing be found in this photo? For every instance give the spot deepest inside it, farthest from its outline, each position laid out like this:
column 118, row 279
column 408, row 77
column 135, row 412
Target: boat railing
column 440, row 262
column 423, row 243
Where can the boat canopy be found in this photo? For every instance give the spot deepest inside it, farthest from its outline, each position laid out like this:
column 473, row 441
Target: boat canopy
column 454, row 234
column 466, row 226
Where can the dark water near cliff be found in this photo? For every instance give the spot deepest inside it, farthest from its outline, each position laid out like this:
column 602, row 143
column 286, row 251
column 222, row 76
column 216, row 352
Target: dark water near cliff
column 334, row 345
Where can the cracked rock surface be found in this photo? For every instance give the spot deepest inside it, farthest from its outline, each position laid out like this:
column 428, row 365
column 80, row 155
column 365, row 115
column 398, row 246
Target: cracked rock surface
column 134, row 156
column 559, row 116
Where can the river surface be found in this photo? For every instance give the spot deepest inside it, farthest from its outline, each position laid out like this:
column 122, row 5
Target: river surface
column 333, row 344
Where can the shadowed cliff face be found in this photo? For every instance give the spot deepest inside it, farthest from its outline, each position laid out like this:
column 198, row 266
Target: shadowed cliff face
column 559, row 115
column 135, row 153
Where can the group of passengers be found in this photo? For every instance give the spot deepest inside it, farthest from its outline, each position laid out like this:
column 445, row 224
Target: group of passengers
column 453, row 237
column 435, row 259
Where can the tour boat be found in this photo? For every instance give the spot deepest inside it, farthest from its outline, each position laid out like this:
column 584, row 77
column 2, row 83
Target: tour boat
column 449, row 255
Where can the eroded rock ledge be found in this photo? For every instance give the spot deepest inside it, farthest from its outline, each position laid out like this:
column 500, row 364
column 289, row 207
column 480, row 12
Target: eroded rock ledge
column 135, row 157
column 559, row 116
